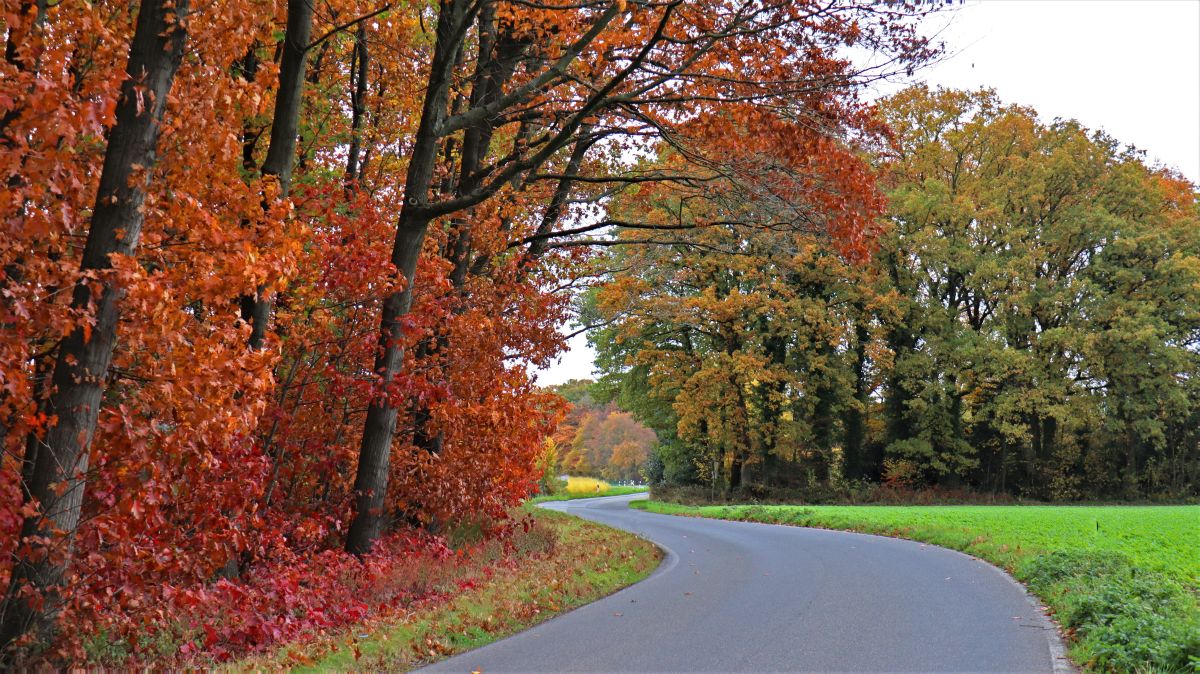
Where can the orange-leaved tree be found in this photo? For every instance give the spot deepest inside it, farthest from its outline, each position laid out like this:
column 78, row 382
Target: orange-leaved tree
column 517, row 96
column 321, row 334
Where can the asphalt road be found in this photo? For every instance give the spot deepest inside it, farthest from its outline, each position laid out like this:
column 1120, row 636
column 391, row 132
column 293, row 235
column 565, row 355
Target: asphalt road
column 745, row 597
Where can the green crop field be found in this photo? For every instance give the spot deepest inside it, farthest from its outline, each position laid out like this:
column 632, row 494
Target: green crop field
column 1123, row 580
column 1161, row 538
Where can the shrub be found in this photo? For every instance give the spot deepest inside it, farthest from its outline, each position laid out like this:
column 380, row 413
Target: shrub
column 653, row 470
column 1124, row 619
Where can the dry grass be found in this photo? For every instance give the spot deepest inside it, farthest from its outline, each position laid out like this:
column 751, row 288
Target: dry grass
column 569, row 562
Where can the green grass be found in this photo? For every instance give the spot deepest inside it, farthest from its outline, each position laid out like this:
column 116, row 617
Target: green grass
column 585, row 562
column 612, row 491
column 1123, row 580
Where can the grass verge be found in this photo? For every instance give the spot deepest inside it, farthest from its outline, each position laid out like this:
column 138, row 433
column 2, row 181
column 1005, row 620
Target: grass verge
column 579, row 563
column 1124, row 581
column 565, row 496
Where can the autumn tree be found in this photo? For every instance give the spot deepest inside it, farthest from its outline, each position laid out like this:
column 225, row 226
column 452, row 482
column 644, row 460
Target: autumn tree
column 60, row 455
column 591, row 433
column 1025, row 325
column 1002, row 257
column 139, row 382
column 304, row 244
column 743, row 331
column 552, row 79
column 625, row 460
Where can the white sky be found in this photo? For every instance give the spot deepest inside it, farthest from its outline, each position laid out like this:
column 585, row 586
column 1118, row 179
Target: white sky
column 1130, row 67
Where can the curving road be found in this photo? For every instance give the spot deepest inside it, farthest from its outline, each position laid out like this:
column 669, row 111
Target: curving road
column 745, row 597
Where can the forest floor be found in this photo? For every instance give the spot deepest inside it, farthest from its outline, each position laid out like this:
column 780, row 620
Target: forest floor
column 567, row 562
column 1123, row 581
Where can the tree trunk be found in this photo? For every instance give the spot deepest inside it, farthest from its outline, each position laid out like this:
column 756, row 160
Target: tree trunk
column 1049, row 437
column 498, row 55
column 735, row 473
column 855, row 462
column 953, row 479
column 895, row 404
column 84, row 357
column 359, row 64
column 1032, row 452
column 1132, row 474
column 901, row 341
column 280, row 160
column 823, row 418
column 281, row 153
column 371, row 477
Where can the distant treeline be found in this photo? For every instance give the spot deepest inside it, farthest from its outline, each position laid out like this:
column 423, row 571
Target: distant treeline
column 1027, row 324
column 598, row 440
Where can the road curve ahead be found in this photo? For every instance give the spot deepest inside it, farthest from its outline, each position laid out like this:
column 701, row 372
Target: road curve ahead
column 746, row 597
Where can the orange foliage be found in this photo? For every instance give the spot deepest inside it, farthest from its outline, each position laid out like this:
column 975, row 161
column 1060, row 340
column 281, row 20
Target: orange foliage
column 211, row 459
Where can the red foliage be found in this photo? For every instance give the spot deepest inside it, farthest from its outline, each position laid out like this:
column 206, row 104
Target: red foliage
column 214, row 459
column 304, row 596
column 294, row 597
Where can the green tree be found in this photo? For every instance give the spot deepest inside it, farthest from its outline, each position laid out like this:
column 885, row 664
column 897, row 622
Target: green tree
column 1048, row 280
column 1028, row 323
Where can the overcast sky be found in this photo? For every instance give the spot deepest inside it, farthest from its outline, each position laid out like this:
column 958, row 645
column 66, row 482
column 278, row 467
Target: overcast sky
column 1130, row 67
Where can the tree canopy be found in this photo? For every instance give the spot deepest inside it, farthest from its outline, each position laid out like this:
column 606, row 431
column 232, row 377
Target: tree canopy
column 1028, row 323
column 272, row 271
column 599, row 440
